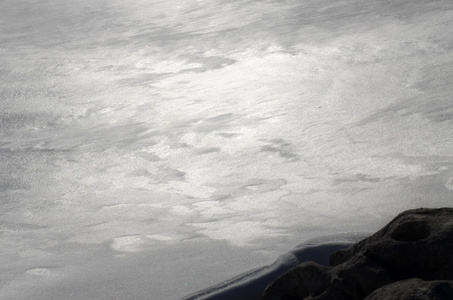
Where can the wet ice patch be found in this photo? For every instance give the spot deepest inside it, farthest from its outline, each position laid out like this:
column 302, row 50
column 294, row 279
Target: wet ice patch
column 136, row 243
column 212, row 209
column 12, row 184
column 180, row 210
column 21, row 120
column 449, row 184
column 236, row 231
column 132, row 243
column 171, row 66
column 40, row 271
column 159, row 237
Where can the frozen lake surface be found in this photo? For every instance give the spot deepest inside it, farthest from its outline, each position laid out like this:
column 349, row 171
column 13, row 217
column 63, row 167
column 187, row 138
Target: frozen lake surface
column 151, row 149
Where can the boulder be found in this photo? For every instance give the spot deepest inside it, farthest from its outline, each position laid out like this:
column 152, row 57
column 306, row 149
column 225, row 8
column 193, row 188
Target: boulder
column 418, row 243
column 414, row 289
column 306, row 280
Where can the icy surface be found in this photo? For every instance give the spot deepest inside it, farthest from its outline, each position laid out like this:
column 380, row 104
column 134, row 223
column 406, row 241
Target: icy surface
column 151, row 149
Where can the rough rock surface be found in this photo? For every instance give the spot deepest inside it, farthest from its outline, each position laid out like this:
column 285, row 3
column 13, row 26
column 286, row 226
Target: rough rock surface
column 414, row 289
column 418, row 243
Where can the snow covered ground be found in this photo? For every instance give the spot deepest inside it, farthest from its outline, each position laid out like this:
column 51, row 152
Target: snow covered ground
column 151, row 149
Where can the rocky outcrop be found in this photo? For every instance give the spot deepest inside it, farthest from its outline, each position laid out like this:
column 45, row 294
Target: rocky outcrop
column 411, row 289
column 416, row 244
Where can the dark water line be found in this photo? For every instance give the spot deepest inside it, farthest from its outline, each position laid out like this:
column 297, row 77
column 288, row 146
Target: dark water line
column 250, row 285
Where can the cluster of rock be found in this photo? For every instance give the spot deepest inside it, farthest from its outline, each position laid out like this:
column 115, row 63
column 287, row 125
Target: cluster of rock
column 411, row 258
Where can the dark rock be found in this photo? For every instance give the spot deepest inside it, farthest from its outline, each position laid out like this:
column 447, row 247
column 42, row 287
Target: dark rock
column 414, row 289
column 359, row 277
column 306, row 280
column 416, row 244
